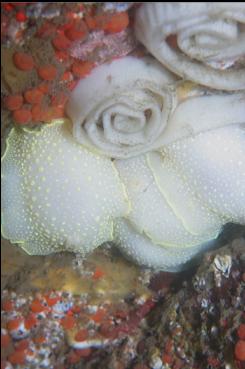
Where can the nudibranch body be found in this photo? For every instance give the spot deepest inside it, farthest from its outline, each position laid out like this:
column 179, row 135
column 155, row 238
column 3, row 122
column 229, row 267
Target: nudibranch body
column 57, row 195
column 181, row 197
column 161, row 208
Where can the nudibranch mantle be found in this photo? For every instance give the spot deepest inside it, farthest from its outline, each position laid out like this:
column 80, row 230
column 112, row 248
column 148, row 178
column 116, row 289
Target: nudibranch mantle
column 57, row 195
column 154, row 164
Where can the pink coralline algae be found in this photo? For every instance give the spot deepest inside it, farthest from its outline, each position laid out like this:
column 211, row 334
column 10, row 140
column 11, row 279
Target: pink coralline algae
column 101, row 47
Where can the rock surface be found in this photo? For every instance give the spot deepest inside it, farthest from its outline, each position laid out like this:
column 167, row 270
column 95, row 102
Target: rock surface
column 190, row 320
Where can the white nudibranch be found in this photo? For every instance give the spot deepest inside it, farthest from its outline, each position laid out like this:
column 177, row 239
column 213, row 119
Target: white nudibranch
column 182, row 196
column 204, row 43
column 57, row 195
column 154, row 165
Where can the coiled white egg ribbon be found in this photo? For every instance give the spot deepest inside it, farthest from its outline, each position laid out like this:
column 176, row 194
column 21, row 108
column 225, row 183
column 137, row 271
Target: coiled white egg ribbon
column 123, row 107
column 132, row 106
column 209, row 40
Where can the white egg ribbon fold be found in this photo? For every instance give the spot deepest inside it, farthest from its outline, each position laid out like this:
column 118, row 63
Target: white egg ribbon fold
column 201, row 110
column 122, row 108
column 209, row 40
column 132, row 106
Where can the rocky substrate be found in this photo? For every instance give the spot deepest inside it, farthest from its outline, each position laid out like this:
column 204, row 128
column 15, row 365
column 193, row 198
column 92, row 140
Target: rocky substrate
column 201, row 326
column 190, row 320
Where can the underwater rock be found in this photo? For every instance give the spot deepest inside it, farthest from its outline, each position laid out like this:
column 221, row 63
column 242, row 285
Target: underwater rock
column 197, row 325
column 189, row 320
